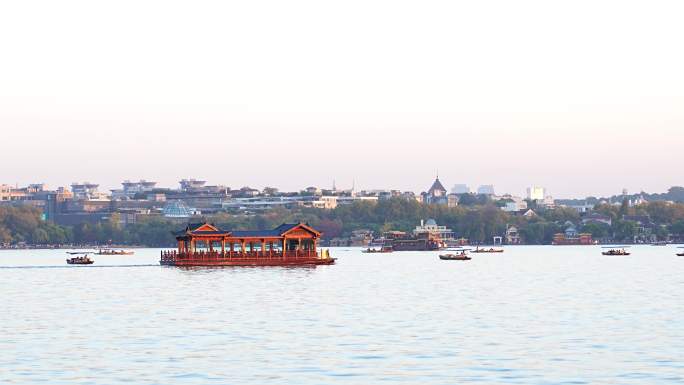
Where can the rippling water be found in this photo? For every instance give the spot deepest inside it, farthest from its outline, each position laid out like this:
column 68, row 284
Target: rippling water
column 533, row 315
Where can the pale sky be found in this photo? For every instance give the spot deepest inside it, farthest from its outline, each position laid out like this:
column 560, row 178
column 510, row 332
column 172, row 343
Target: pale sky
column 582, row 97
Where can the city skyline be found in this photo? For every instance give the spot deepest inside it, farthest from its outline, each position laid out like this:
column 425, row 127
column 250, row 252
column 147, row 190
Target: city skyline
column 488, row 93
column 540, row 192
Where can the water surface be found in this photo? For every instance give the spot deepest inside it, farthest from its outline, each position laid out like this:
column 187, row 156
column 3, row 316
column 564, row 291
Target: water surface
column 532, row 315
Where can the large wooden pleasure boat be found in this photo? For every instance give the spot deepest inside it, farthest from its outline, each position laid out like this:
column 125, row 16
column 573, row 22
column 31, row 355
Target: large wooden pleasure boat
column 204, row 244
column 401, row 241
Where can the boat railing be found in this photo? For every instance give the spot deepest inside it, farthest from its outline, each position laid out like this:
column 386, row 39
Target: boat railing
column 173, row 255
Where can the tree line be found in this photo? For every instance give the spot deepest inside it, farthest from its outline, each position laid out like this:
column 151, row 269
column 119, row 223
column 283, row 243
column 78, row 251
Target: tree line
column 479, row 223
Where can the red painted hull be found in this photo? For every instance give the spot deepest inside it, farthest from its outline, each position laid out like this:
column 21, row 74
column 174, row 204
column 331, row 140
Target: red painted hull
column 249, row 262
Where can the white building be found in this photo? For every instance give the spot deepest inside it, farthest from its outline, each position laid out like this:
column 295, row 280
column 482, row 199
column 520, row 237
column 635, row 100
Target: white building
column 486, row 189
column 452, row 200
column 351, row 199
column 536, row 193
column 581, row 207
column 431, row 227
column 460, row 189
column 325, row 202
column 88, row 191
column 547, row 202
column 514, row 204
column 131, row 188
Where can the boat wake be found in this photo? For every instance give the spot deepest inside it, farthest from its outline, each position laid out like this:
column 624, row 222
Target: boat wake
column 73, row 266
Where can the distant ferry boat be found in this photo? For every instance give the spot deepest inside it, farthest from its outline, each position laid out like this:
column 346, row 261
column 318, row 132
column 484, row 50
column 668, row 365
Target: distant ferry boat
column 401, row 241
column 379, row 245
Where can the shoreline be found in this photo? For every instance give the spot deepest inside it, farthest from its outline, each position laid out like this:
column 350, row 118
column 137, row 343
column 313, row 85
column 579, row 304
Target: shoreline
column 96, row 247
column 76, row 247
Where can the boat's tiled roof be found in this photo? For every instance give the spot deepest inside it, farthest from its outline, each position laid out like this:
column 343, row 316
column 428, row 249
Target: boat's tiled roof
column 255, row 233
column 277, row 232
column 193, row 226
column 285, row 227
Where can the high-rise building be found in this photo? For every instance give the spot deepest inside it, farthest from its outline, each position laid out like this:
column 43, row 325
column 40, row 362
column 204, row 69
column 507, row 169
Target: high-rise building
column 460, row 189
column 486, row 189
column 536, row 193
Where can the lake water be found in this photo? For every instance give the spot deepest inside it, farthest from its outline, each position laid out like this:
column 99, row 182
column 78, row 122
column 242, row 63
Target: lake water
column 532, row 315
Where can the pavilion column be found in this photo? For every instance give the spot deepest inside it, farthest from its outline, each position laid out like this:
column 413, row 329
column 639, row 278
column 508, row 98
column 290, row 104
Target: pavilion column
column 223, row 247
column 299, row 246
column 284, row 247
column 243, row 247
column 263, row 247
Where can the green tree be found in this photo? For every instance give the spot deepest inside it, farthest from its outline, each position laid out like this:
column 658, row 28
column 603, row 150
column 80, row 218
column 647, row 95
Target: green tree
column 677, row 228
column 40, row 236
column 5, row 235
column 597, row 230
column 625, row 230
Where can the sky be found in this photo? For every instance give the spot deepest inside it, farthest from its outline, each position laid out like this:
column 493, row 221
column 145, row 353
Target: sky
column 582, row 97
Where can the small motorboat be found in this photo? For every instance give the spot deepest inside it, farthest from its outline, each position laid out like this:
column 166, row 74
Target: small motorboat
column 680, row 254
column 489, row 250
column 83, row 260
column 113, row 252
column 380, row 250
column 619, row 251
column 454, row 257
